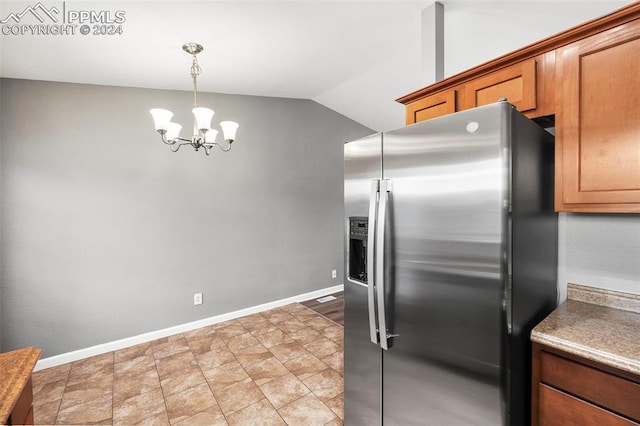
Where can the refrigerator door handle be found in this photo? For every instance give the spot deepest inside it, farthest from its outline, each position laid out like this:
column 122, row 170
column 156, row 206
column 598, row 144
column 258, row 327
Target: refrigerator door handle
column 385, row 188
column 371, row 259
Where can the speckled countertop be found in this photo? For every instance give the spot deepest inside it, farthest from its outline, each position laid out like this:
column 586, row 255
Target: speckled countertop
column 596, row 324
column 15, row 370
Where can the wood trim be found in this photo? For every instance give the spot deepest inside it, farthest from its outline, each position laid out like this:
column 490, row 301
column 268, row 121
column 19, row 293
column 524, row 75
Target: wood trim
column 619, row 17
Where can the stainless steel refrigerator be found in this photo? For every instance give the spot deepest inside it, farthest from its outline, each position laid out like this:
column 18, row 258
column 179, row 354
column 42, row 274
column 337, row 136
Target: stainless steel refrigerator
column 450, row 260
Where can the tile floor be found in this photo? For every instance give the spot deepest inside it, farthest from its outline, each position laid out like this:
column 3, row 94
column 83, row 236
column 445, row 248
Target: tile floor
column 279, row 367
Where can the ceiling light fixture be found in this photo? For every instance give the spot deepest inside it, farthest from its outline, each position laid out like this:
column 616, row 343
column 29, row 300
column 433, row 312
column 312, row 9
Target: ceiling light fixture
column 203, row 135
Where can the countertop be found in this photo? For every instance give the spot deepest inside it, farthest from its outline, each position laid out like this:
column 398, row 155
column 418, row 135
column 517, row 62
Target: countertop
column 596, row 324
column 15, row 371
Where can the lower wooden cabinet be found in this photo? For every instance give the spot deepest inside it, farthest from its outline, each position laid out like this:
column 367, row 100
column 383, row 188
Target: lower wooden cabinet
column 22, row 413
column 568, row 390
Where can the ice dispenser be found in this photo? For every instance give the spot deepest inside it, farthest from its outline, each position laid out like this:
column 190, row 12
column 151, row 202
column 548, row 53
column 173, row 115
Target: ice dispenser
column 358, row 230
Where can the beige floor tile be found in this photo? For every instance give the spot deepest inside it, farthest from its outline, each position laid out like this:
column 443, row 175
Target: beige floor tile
column 86, row 369
column 53, row 374
column 293, row 379
column 95, row 411
column 188, row 403
column 134, row 366
column 174, row 363
column 325, row 385
column 294, row 307
column 168, row 346
column 225, row 375
column 288, row 351
column 274, row 338
column 262, row 328
column 308, row 410
column 305, row 366
column 283, row 390
column 44, row 393
column 240, row 341
column 335, row 333
column 181, row 380
column 252, row 355
column 260, row 413
column 337, row 405
column 304, row 315
column 127, row 386
column 92, row 389
column 237, row 396
column 215, row 358
column 204, row 344
column 46, row 414
column 160, row 419
column 133, row 352
column 139, row 408
column 208, row 331
column 335, row 361
column 276, row 316
column 251, row 319
column 210, row 417
column 323, row 347
column 267, row 370
column 318, row 323
column 335, row 422
column 305, row 335
column 230, row 330
column 292, row 325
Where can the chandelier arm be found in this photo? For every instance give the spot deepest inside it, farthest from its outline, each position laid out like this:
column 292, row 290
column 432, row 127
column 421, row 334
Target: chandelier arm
column 176, row 146
column 172, row 141
column 227, row 149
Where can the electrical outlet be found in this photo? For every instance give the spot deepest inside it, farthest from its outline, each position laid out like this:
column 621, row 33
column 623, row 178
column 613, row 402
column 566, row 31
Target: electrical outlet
column 334, row 273
column 197, row 298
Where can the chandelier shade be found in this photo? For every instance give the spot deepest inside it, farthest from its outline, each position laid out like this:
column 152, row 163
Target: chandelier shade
column 203, row 135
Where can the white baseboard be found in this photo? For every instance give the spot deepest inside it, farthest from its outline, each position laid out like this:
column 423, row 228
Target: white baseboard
column 158, row 334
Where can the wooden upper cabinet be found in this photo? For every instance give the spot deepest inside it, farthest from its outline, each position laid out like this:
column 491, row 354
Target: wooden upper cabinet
column 431, row 107
column 516, row 83
column 598, row 122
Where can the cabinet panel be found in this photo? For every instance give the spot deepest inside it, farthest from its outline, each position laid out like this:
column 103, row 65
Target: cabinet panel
column 431, row 107
column 615, row 393
column 597, row 122
column 559, row 408
column 517, row 83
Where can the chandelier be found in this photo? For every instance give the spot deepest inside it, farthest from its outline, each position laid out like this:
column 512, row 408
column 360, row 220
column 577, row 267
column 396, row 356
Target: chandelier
column 203, row 135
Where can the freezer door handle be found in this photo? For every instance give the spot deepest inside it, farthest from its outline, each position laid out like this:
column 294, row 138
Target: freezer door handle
column 371, row 259
column 385, row 189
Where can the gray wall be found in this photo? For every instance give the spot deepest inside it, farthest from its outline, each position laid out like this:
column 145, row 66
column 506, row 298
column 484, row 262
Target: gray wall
column 107, row 234
column 599, row 250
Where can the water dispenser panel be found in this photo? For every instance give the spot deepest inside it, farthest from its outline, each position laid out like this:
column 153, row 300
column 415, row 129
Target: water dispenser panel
column 358, row 234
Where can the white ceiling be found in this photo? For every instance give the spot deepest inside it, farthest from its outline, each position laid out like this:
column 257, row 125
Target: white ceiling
column 353, row 56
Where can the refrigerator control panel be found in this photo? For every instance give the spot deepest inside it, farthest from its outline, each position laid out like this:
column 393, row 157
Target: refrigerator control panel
column 358, row 234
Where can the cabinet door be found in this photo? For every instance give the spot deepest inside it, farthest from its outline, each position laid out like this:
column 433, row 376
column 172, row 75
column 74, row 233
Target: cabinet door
column 598, row 123
column 433, row 106
column 517, row 83
column 559, row 408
